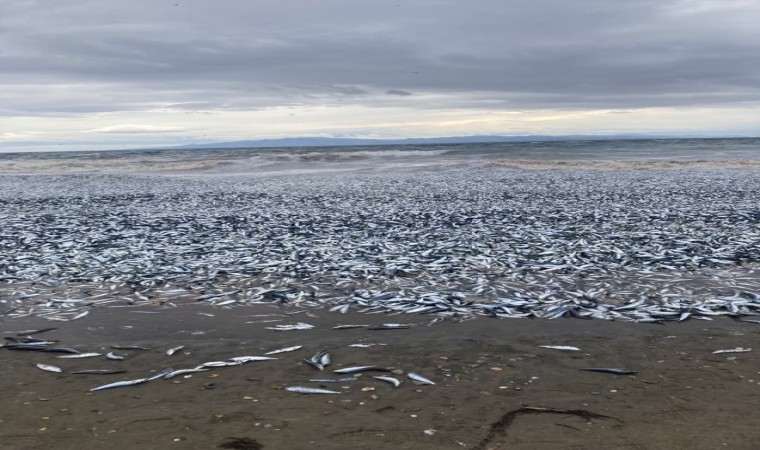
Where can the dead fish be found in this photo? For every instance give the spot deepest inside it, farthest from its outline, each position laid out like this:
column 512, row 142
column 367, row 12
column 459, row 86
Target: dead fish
column 175, row 373
column 319, row 361
column 391, row 380
column 120, row 384
column 220, row 364
column 390, row 326
column 331, row 380
column 733, row 350
column 325, row 359
column 418, row 378
column 161, row 374
column 40, row 348
column 315, row 364
column 31, row 332
column 341, row 308
column 70, row 351
column 357, row 369
column 611, row 370
column 225, row 303
column 247, row 359
column 284, row 350
column 129, row 347
column 29, row 340
column 349, row 327
column 309, row 390
column 80, row 315
column 49, row 368
column 79, row 355
column 561, row 347
column 174, row 350
column 298, row 326
column 98, row 372
column 112, row 356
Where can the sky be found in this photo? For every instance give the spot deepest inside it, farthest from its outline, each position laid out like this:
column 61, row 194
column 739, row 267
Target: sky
column 107, row 74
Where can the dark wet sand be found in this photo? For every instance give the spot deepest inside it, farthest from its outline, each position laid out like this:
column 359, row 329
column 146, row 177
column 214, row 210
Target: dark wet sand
column 682, row 397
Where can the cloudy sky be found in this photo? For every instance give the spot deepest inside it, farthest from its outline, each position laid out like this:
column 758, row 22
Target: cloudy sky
column 85, row 74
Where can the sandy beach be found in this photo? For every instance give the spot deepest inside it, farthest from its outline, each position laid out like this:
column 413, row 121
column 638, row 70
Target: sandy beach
column 682, row 396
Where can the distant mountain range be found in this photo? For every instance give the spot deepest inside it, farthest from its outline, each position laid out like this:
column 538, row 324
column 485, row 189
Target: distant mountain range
column 328, row 142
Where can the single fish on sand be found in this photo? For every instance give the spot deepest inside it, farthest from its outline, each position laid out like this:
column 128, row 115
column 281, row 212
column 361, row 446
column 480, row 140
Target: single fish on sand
column 309, row 390
column 568, row 348
column 610, row 370
column 418, row 378
column 733, row 350
column 284, row 350
column 49, row 368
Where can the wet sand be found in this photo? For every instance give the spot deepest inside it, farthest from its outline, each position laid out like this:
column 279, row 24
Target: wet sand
column 683, row 395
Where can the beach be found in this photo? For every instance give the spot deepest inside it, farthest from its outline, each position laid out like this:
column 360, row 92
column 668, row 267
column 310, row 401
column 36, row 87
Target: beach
column 683, row 395
column 500, row 280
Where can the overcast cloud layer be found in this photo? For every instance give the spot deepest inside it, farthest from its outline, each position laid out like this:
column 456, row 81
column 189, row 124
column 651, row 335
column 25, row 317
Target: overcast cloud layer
column 110, row 74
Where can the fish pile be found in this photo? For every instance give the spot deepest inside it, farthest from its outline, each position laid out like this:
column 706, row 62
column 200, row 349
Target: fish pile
column 615, row 245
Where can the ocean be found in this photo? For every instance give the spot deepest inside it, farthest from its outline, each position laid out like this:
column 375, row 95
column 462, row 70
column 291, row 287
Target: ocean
column 381, row 158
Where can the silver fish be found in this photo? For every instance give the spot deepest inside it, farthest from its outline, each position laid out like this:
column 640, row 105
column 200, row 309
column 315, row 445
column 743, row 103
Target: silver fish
column 80, row 315
column 309, row 390
column 225, row 303
column 418, row 378
column 611, row 370
column 120, row 384
column 389, row 326
column 161, row 374
column 129, row 347
column 356, row 369
column 315, row 364
column 391, row 380
column 298, row 326
column 561, row 347
column 220, row 364
column 40, row 348
column 98, row 372
column 31, row 332
column 111, row 355
column 175, row 373
column 284, row 350
column 79, row 355
column 49, row 368
column 331, row 380
column 174, row 350
column 733, row 350
column 246, row 359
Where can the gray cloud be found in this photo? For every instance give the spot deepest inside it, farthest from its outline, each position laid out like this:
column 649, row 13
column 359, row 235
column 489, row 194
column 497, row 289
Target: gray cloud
column 75, row 56
column 398, row 92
